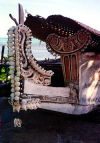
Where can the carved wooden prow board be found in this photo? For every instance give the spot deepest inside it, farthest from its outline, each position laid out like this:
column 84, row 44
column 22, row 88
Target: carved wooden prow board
column 30, row 83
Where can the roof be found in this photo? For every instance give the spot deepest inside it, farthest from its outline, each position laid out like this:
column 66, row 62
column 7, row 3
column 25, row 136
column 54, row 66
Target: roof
column 60, row 25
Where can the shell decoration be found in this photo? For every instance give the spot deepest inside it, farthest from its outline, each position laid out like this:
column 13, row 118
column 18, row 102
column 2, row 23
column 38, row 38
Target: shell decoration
column 16, row 37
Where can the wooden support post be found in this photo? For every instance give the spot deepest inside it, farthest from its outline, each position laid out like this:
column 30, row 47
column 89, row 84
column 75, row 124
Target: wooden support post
column 2, row 53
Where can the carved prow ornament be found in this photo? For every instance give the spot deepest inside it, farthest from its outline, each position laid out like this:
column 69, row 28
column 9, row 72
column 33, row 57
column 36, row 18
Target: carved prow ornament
column 81, row 67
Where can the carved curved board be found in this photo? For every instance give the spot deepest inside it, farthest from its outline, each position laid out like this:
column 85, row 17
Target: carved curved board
column 70, row 44
column 29, row 67
column 23, row 65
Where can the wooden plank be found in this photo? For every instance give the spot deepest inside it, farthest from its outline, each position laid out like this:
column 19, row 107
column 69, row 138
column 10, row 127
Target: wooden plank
column 67, row 61
column 39, row 90
column 74, row 67
column 70, row 66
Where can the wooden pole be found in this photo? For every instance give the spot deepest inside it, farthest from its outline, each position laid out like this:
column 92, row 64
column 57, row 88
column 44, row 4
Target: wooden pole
column 2, row 53
column 21, row 14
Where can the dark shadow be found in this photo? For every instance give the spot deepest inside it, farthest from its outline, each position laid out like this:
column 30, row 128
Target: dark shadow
column 42, row 126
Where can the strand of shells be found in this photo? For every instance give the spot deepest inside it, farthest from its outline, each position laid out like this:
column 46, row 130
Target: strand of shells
column 15, row 42
column 14, row 64
column 31, row 103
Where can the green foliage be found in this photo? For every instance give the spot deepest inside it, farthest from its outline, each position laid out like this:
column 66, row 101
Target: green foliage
column 4, row 74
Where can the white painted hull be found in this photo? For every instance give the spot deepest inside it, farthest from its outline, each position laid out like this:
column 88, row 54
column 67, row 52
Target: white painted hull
column 68, row 108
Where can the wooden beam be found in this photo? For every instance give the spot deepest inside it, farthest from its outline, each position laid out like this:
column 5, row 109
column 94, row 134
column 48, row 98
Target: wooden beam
column 2, row 53
column 21, row 14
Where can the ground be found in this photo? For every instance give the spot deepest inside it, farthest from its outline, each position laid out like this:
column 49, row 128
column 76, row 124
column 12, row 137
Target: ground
column 42, row 126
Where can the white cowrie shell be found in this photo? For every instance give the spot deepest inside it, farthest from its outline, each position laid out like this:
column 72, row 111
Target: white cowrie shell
column 17, row 83
column 17, row 93
column 17, row 63
column 16, row 98
column 24, row 101
column 18, row 69
column 12, row 81
column 12, row 90
column 12, row 94
column 11, row 71
column 17, row 78
column 12, row 85
column 12, row 67
column 12, row 63
column 12, row 76
column 18, row 73
column 11, row 59
column 17, row 88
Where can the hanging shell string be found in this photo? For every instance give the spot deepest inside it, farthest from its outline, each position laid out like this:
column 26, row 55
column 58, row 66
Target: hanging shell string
column 17, row 105
column 17, row 37
column 11, row 54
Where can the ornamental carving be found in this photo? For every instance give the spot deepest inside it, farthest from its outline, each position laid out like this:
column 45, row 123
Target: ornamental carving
column 70, row 44
column 23, row 65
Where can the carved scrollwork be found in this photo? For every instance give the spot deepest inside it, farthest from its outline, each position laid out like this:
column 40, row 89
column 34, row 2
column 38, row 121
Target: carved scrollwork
column 68, row 45
column 29, row 66
column 23, row 65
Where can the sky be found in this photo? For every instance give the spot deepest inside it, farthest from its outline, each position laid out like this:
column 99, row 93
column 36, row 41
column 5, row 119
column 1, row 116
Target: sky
column 85, row 11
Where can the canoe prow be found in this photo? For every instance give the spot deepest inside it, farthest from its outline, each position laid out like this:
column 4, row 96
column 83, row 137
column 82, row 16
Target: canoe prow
column 31, row 84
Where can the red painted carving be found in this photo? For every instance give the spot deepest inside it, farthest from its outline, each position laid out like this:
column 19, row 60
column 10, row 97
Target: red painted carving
column 70, row 44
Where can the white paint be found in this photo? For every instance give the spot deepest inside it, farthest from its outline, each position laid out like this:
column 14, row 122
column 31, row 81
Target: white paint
column 36, row 89
column 67, row 108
